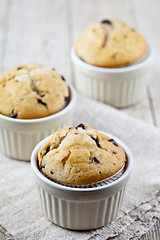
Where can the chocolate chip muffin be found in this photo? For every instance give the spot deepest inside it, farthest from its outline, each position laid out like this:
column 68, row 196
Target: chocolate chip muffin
column 32, row 91
column 80, row 155
column 110, row 43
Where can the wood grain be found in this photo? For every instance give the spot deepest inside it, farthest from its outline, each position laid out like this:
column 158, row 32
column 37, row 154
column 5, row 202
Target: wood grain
column 44, row 31
column 4, row 9
column 37, row 32
column 126, row 11
column 148, row 18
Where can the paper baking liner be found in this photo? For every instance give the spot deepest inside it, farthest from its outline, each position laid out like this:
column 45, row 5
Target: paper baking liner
column 82, row 207
column 68, row 213
column 103, row 182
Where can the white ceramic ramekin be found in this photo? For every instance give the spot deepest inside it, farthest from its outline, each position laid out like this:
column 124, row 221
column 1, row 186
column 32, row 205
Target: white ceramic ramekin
column 81, row 208
column 119, row 87
column 18, row 137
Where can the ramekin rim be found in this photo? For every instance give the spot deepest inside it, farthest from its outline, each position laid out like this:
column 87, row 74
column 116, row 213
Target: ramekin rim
column 74, row 189
column 52, row 116
column 117, row 70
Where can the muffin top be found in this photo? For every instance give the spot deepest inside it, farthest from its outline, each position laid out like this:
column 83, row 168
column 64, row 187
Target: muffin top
column 32, row 91
column 110, row 44
column 80, row 155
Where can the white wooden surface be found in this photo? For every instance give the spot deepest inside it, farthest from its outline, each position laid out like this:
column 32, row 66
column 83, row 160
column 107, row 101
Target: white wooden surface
column 43, row 31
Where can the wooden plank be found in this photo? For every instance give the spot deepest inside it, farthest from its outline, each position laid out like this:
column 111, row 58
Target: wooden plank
column 38, row 32
column 32, row 36
column 4, row 9
column 4, row 14
column 144, row 109
column 94, row 11
column 148, row 19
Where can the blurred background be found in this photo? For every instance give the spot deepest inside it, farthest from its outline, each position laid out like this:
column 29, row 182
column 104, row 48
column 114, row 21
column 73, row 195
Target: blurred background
column 43, row 31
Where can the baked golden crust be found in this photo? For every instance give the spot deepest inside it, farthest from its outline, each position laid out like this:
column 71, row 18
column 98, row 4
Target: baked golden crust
column 32, row 91
column 80, row 155
column 110, row 44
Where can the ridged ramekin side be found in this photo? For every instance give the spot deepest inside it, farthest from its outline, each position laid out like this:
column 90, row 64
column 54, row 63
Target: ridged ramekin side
column 81, row 208
column 118, row 91
column 18, row 137
column 119, row 87
column 80, row 215
column 19, row 145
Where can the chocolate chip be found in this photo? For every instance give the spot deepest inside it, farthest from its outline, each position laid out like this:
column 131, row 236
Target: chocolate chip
column 41, row 94
column 81, row 125
column 97, row 141
column 114, row 56
column 66, row 98
column 63, row 78
column 47, row 150
column 53, row 69
column 95, row 159
column 18, row 68
column 114, row 152
column 115, row 144
column 41, row 102
column 100, row 172
column 113, row 141
column 82, row 59
column 42, row 164
column 13, row 114
column 106, row 22
column 51, row 172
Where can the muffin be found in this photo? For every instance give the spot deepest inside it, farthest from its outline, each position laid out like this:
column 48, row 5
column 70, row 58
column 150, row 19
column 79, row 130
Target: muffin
column 110, row 44
column 34, row 102
column 69, row 168
column 111, row 63
column 32, row 91
column 80, row 155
